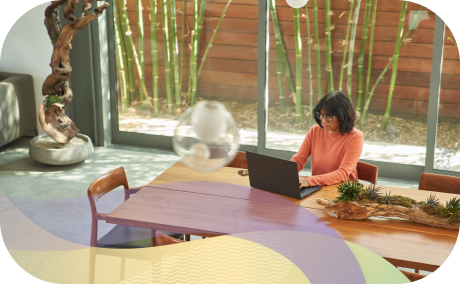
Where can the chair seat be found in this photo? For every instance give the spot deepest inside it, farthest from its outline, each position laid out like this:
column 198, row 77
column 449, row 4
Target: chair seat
column 130, row 237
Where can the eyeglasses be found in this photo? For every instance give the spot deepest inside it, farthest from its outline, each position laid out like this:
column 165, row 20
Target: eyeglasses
column 320, row 116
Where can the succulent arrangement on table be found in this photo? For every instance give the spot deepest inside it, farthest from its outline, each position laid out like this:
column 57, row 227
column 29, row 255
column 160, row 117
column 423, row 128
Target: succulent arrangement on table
column 359, row 202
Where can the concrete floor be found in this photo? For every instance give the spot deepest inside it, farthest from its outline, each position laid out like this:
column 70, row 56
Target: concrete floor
column 55, row 198
column 45, row 208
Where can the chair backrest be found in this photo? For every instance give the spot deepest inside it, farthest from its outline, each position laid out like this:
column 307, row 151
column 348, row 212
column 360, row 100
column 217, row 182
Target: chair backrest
column 439, row 183
column 239, row 161
column 368, row 172
column 105, row 184
column 162, row 239
column 412, row 276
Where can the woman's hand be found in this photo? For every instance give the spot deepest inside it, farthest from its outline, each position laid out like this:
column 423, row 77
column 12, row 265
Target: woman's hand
column 303, row 182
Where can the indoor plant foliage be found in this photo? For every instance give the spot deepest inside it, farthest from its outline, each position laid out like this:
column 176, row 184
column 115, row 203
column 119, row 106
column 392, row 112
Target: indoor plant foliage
column 56, row 86
column 357, row 202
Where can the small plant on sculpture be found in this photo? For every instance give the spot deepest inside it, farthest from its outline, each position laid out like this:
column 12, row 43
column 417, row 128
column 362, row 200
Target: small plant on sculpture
column 357, row 202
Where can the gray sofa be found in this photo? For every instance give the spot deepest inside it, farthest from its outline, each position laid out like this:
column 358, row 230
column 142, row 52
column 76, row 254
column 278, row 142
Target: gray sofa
column 18, row 115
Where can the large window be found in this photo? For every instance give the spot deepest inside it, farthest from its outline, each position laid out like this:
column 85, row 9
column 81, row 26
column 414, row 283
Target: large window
column 211, row 54
column 387, row 75
column 447, row 155
column 218, row 52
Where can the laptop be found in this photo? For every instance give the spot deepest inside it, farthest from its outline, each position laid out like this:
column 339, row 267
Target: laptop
column 276, row 175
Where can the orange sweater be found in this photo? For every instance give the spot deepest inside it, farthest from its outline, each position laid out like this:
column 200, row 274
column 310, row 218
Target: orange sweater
column 333, row 157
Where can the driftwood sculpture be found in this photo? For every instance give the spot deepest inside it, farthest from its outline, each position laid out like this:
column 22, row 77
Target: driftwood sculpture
column 56, row 86
column 355, row 211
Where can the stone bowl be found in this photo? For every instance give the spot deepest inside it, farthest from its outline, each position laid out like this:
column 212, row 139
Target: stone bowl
column 45, row 150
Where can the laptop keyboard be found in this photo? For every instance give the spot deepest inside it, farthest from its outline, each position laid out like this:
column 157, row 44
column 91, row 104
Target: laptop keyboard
column 304, row 189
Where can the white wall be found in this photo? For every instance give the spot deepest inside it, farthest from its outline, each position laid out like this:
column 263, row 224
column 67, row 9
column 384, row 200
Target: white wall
column 27, row 49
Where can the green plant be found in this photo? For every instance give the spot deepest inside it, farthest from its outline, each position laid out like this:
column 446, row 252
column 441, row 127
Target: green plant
column 372, row 192
column 127, row 51
column 453, row 205
column 388, row 199
column 52, row 99
column 279, row 54
column 352, row 47
column 298, row 52
column 454, row 217
column 404, row 201
column 121, row 60
column 140, row 29
column 345, row 45
column 154, row 51
column 53, row 41
column 361, row 55
column 309, row 42
column 175, row 55
column 432, row 201
column 329, row 72
column 394, row 72
column 349, row 191
column 198, row 17
column 384, row 71
column 371, row 49
column 317, row 49
column 167, row 55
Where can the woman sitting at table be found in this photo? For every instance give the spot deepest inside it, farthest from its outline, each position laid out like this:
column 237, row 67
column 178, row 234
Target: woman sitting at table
column 334, row 144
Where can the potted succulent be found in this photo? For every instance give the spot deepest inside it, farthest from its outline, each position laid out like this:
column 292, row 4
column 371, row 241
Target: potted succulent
column 357, row 202
column 62, row 144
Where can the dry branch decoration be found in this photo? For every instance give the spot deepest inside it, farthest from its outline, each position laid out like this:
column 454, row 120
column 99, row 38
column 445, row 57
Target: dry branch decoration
column 358, row 203
column 51, row 114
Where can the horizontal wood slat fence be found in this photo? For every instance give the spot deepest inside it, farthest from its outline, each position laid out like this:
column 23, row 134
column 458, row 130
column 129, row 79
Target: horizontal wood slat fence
column 230, row 69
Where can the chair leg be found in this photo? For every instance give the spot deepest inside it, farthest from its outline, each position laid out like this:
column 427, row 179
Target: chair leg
column 122, row 268
column 92, row 264
column 417, row 271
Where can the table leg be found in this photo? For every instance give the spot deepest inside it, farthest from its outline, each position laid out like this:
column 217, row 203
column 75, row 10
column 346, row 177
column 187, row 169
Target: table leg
column 154, row 243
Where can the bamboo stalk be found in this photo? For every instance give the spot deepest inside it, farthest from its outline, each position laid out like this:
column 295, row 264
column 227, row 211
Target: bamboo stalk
column 140, row 28
column 371, row 48
column 371, row 93
column 164, row 23
column 361, row 55
column 317, row 49
column 298, row 51
column 212, row 38
column 154, row 50
column 279, row 55
column 394, row 72
column 352, row 47
column 120, row 60
column 192, row 64
column 197, row 46
column 345, row 46
column 309, row 41
column 171, row 52
column 129, row 53
column 329, row 71
column 175, row 59
column 182, row 45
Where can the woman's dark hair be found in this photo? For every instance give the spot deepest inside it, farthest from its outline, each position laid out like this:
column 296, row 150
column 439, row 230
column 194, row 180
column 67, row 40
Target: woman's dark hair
column 338, row 105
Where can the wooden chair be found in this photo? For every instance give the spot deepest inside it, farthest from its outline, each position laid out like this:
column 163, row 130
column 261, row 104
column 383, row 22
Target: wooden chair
column 239, row 161
column 368, row 172
column 439, row 183
column 120, row 237
column 412, row 276
column 162, row 239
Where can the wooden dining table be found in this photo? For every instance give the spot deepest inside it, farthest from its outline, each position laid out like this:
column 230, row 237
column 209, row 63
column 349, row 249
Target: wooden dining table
column 176, row 201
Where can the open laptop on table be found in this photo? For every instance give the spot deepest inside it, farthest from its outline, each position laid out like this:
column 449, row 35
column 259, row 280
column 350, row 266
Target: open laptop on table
column 276, row 175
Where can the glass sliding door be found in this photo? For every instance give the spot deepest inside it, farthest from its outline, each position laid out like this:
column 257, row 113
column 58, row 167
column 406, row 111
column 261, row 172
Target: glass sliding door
column 167, row 62
column 447, row 154
column 387, row 75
